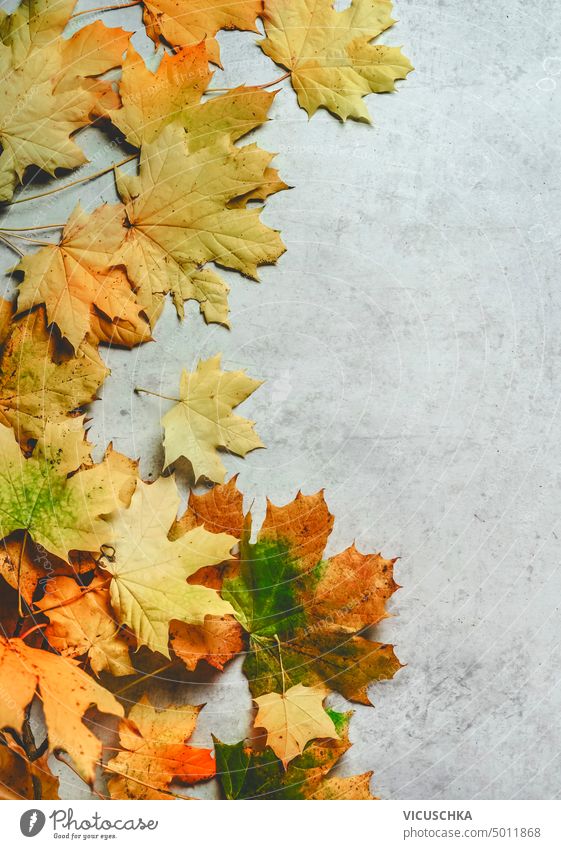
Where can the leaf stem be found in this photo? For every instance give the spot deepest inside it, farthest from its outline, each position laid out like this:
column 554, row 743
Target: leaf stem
column 263, row 85
column 107, row 8
column 281, row 664
column 32, row 229
column 93, row 176
column 20, row 562
column 29, row 239
column 11, row 245
column 138, row 389
column 73, row 598
column 143, row 678
column 31, row 630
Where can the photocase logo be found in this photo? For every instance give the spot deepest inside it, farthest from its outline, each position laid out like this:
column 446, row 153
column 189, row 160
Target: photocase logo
column 32, row 822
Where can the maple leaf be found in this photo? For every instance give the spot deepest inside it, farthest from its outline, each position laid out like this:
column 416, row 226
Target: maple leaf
column 24, row 565
column 203, row 421
column 246, row 772
column 329, row 53
column 297, row 633
column 66, row 693
column 39, row 381
column 154, row 752
column 150, row 100
column 178, row 219
column 180, row 24
column 46, row 89
column 292, row 719
column 149, row 572
column 78, row 286
column 59, row 505
column 85, row 626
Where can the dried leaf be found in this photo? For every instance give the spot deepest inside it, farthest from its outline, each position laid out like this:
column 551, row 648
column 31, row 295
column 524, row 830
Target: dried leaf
column 154, row 752
column 293, row 718
column 27, row 566
column 39, row 382
column 78, row 286
column 66, row 693
column 332, row 62
column 86, row 626
column 248, row 773
column 297, row 633
column 61, row 511
column 203, row 421
column 150, row 101
column 216, row 641
column 220, row 510
column 178, row 219
column 149, row 586
column 46, row 90
column 21, row 778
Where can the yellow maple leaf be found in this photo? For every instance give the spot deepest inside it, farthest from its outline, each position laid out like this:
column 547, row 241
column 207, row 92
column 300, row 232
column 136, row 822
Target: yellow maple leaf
column 203, row 421
column 150, row 100
column 181, row 24
column 329, row 53
column 178, row 219
column 85, row 626
column 77, row 284
column 46, row 87
column 149, row 572
column 292, row 719
column 66, row 694
column 39, row 381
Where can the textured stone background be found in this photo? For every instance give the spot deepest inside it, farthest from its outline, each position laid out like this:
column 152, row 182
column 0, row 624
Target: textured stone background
column 410, row 343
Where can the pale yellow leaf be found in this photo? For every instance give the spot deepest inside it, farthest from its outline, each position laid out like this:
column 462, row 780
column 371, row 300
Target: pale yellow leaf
column 149, row 572
column 203, row 421
column 329, row 53
column 292, row 719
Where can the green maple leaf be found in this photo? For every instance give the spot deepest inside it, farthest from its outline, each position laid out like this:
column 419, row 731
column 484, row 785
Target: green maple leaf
column 59, row 506
column 304, row 614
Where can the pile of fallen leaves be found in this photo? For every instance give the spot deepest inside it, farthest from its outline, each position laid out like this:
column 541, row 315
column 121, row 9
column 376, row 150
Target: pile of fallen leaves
column 102, row 580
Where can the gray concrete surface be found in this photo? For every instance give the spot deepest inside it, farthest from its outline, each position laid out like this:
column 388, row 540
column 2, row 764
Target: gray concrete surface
column 411, row 347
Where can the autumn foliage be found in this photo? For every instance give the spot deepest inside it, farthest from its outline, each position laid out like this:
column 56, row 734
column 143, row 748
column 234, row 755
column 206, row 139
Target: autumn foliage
column 104, row 580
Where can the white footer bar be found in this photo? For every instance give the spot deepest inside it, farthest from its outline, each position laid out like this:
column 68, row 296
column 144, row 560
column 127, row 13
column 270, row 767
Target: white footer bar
column 284, row 825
